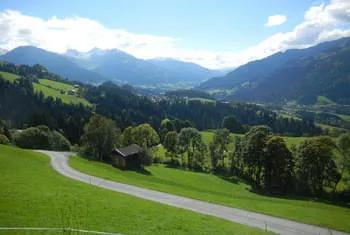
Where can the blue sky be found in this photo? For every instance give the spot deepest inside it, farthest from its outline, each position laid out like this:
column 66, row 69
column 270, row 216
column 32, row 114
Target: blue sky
column 199, row 31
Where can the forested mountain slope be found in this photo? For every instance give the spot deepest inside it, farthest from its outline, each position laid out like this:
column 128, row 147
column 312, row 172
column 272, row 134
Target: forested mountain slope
column 301, row 75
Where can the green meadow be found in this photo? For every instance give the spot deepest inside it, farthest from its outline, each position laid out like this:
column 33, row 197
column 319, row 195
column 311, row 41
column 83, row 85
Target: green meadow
column 34, row 195
column 211, row 188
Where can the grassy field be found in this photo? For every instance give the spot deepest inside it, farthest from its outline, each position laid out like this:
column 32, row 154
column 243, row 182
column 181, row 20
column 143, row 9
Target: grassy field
column 34, row 195
column 51, row 88
column 56, row 85
column 211, row 188
column 323, row 100
column 56, row 94
column 9, row 76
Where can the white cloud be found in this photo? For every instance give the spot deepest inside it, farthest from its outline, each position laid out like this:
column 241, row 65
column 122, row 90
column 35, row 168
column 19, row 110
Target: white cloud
column 275, row 20
column 321, row 23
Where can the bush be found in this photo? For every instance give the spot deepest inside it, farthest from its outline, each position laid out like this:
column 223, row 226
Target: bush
column 33, row 138
column 59, row 142
column 4, row 139
column 41, row 137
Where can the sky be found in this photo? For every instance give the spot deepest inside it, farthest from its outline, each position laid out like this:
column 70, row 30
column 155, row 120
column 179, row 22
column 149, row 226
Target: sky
column 213, row 33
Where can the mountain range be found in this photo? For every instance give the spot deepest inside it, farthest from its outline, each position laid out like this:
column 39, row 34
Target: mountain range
column 97, row 66
column 300, row 75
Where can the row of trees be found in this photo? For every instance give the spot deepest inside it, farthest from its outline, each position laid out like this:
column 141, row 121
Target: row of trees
column 264, row 159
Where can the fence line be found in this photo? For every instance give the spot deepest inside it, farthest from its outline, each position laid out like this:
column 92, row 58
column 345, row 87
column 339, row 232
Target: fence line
column 59, row 229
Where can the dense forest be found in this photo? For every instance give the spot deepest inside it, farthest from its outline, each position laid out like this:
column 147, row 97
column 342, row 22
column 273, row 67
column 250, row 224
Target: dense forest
column 24, row 107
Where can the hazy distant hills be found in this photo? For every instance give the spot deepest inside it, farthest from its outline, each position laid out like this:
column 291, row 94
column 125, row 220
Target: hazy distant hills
column 299, row 75
column 98, row 65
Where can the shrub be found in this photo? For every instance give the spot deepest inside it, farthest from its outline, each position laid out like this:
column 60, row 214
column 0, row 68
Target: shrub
column 59, row 142
column 41, row 137
column 4, row 139
column 33, row 138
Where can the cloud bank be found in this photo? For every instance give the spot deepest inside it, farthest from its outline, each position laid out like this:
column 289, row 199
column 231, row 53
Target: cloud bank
column 321, row 23
column 275, row 20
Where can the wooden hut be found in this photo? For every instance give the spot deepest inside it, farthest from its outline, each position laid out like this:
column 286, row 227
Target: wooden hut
column 127, row 157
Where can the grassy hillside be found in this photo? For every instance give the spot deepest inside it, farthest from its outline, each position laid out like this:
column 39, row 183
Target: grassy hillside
column 9, row 76
column 51, row 88
column 211, row 188
column 34, row 195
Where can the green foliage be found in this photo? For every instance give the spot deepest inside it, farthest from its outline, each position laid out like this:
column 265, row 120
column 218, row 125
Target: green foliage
column 145, row 136
column 190, row 142
column 315, row 167
column 101, row 135
column 59, row 142
column 33, row 138
column 127, row 136
column 343, row 143
column 41, row 137
column 232, row 124
column 278, row 166
column 219, row 146
column 4, row 139
column 170, row 144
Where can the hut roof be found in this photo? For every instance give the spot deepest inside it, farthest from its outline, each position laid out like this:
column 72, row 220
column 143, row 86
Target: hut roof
column 129, row 150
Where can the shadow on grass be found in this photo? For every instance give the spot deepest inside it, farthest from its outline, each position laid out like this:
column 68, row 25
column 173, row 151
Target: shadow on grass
column 328, row 198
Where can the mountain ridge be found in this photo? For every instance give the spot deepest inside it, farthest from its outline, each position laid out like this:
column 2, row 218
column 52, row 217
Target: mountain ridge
column 296, row 74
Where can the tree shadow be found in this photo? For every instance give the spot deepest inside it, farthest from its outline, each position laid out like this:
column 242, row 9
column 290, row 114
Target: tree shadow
column 328, row 198
column 140, row 170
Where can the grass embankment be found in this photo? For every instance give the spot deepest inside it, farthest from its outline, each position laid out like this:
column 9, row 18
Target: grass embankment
column 34, row 195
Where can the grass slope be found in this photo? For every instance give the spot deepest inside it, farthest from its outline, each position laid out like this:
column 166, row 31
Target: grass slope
column 55, row 93
column 9, row 76
column 34, row 195
column 211, row 188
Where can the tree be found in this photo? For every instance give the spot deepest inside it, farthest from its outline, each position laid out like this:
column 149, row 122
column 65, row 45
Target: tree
column 165, row 126
column 101, row 135
column 315, row 166
column 277, row 165
column 170, row 144
column 220, row 142
column 59, row 142
column 190, row 140
column 343, row 144
column 127, row 136
column 232, row 124
column 254, row 153
column 145, row 136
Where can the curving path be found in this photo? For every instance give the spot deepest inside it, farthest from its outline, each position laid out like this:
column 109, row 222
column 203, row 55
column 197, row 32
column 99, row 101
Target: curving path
column 59, row 161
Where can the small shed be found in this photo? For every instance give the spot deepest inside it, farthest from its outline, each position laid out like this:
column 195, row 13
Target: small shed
column 127, row 157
